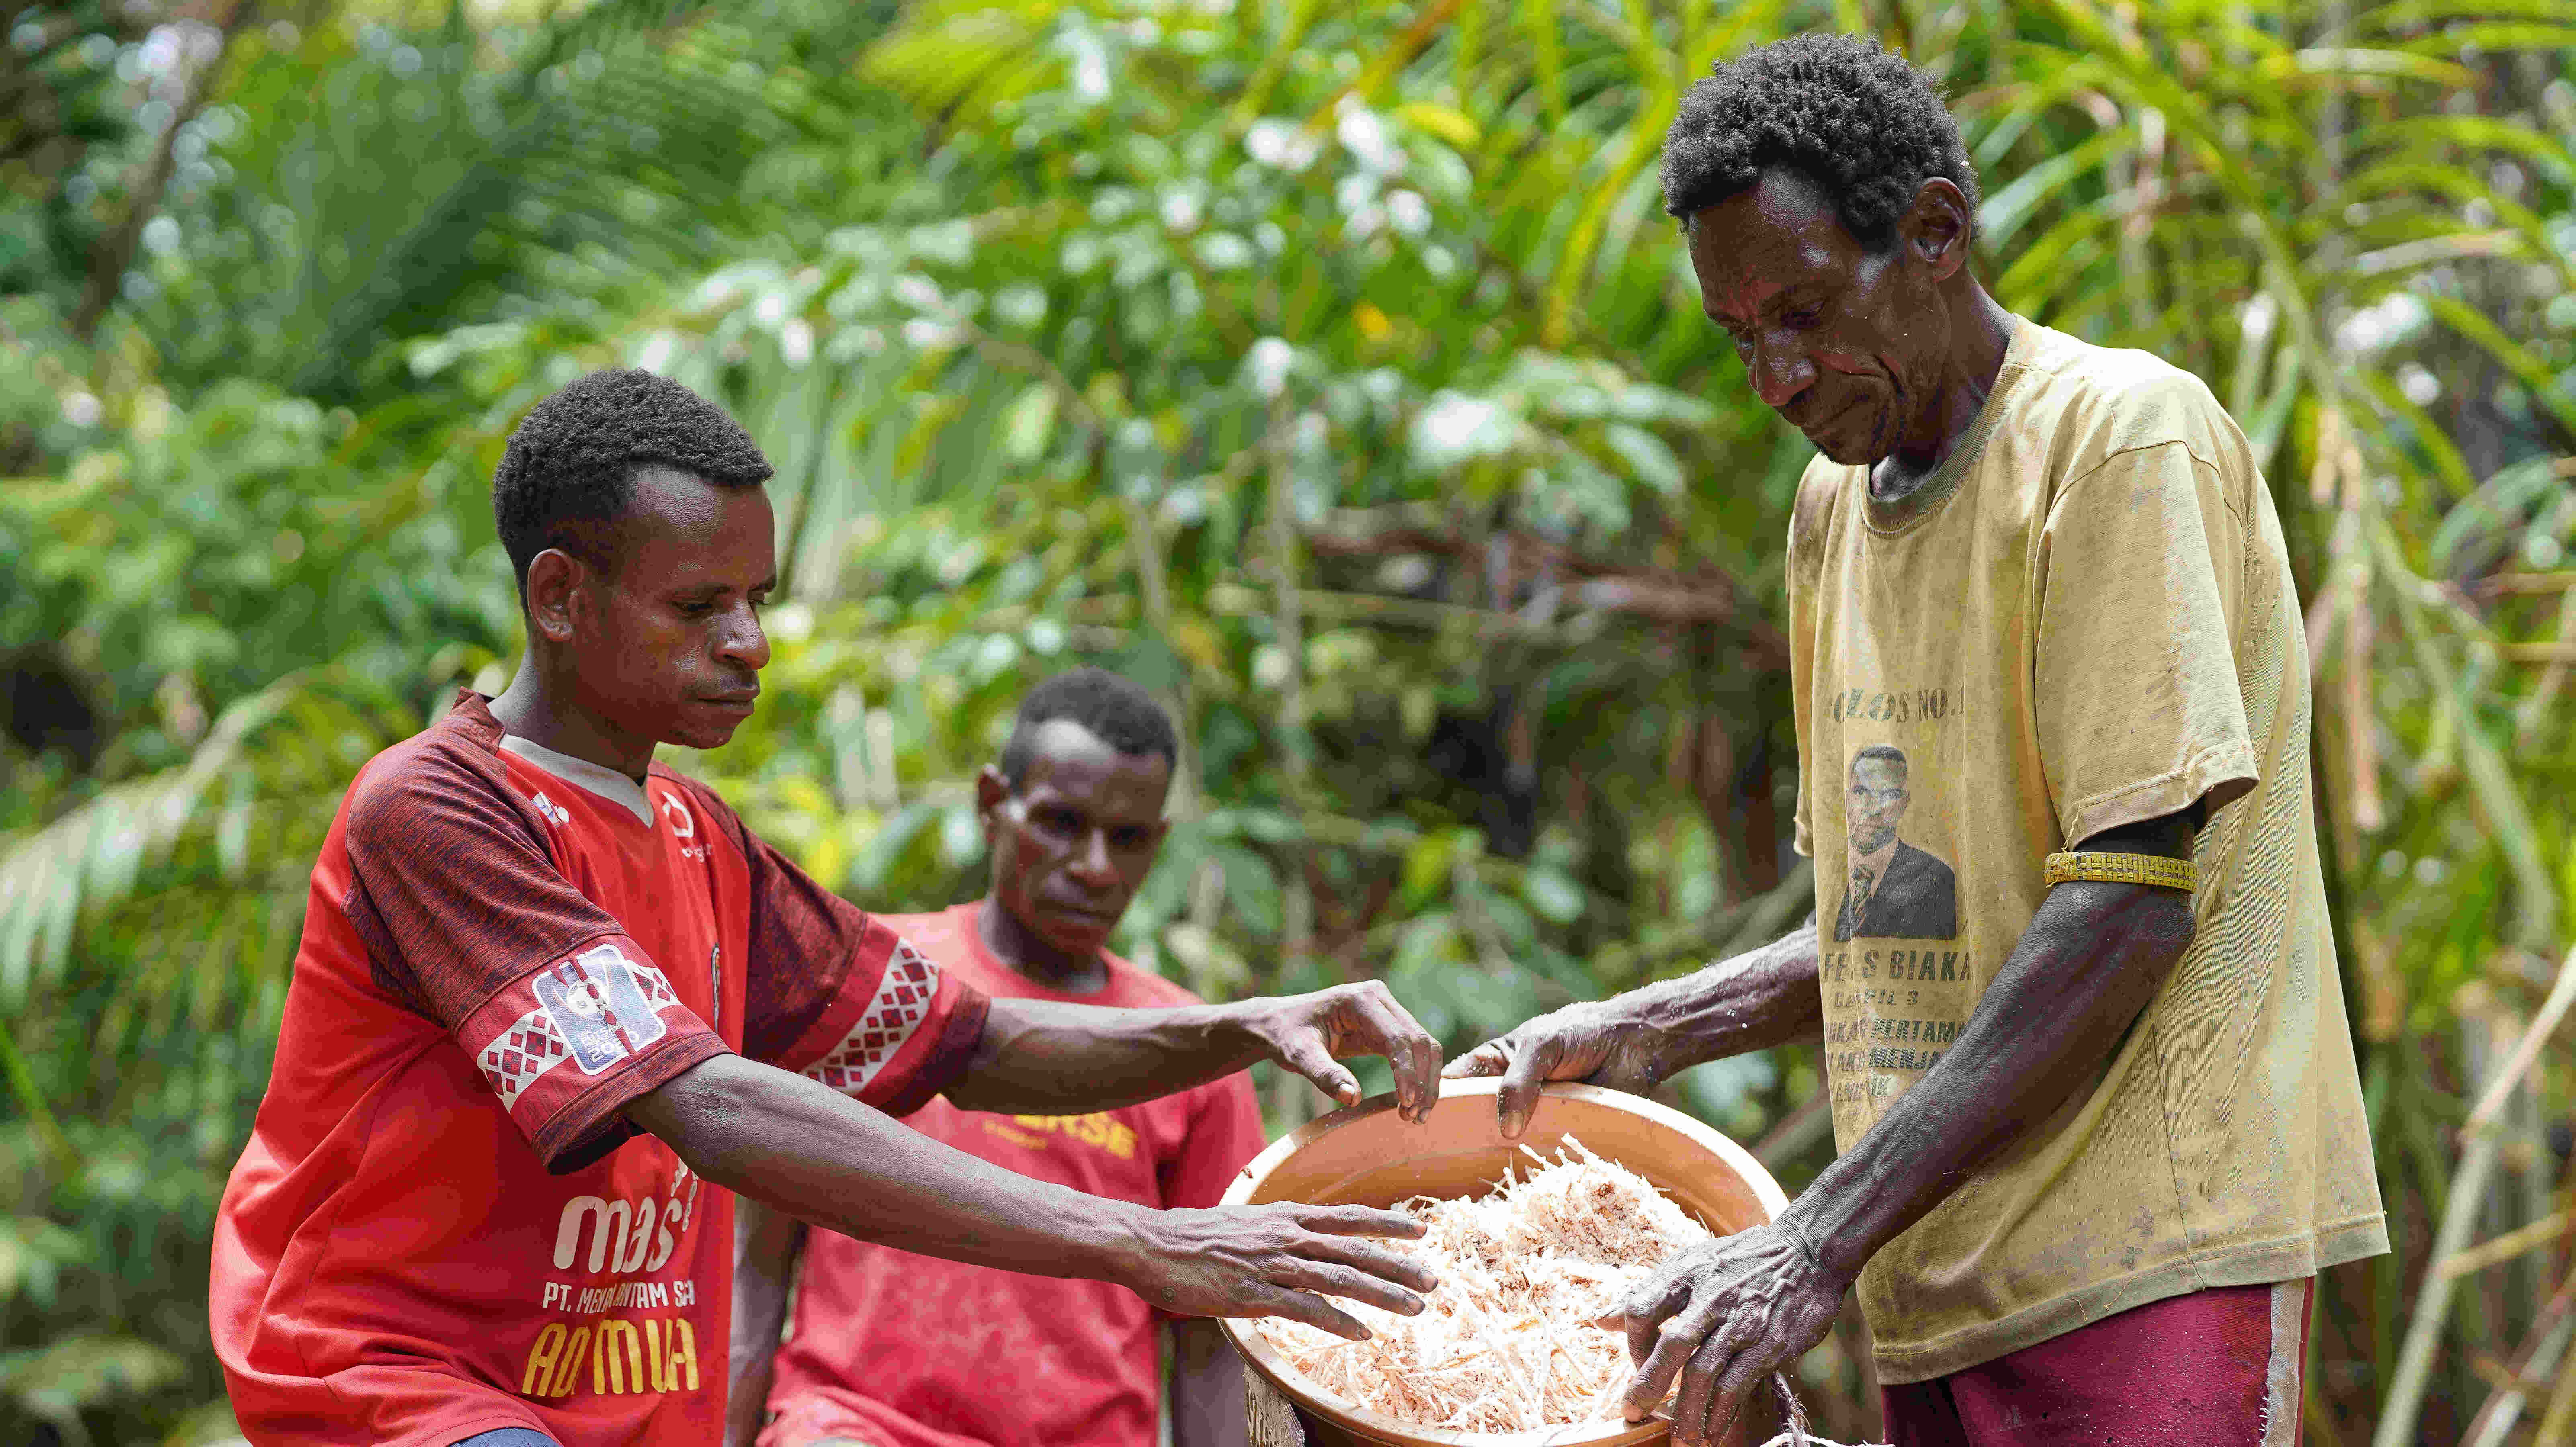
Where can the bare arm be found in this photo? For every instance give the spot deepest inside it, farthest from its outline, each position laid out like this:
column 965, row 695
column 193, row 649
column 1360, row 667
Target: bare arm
column 1206, row 1387
column 1634, row 1041
column 766, row 1245
column 800, row 1148
column 1042, row 1055
column 1725, row 1317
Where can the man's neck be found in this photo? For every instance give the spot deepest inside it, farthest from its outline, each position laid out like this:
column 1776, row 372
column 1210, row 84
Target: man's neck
column 1021, row 951
column 535, row 709
column 1983, row 336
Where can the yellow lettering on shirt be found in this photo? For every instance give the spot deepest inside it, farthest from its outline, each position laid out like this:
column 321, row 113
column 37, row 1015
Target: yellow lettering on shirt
column 541, row 1360
column 609, row 1367
column 647, row 1354
column 1095, row 1129
column 684, row 1355
column 575, row 1350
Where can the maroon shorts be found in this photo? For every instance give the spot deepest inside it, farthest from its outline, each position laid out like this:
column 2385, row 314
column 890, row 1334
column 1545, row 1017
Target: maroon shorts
column 2217, row 1368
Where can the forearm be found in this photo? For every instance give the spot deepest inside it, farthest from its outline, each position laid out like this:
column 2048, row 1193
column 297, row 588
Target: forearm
column 1206, row 1387
column 766, row 1245
column 1756, row 1000
column 1056, row 1058
column 2091, row 960
column 799, row 1148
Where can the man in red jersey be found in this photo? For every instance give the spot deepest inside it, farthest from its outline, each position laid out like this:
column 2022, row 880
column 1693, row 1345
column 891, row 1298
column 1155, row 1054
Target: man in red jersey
column 892, row 1351
column 550, row 990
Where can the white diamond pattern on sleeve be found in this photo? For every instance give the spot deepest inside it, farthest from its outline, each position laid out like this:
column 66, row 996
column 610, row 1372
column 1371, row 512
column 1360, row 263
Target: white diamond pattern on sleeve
column 518, row 1055
column 901, row 1002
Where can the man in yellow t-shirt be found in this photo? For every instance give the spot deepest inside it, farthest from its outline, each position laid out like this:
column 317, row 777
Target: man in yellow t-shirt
column 2099, row 1119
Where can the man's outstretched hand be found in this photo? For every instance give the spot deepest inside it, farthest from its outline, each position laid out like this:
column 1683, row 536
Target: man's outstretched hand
column 1276, row 1260
column 1595, row 1042
column 1723, row 1317
column 1311, row 1034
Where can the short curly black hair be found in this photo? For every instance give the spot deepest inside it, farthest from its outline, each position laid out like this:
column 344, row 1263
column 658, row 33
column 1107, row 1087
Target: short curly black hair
column 574, row 458
column 1118, row 711
column 1857, row 121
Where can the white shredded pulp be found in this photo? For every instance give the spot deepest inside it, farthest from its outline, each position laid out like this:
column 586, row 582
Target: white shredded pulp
column 1507, row 1344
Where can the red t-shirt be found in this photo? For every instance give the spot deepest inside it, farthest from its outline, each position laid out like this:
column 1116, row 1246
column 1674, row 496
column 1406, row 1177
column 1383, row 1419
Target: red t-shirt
column 899, row 1350
column 443, row 1224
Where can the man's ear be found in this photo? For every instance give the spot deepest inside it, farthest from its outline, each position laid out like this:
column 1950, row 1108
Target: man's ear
column 554, row 581
column 990, row 790
column 1935, row 230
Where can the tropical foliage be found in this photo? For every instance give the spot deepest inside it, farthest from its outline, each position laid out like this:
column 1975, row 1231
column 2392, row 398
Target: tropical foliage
column 1329, row 368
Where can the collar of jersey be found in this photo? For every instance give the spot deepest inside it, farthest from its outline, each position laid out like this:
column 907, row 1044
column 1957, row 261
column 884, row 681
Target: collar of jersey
column 1889, row 518
column 583, row 774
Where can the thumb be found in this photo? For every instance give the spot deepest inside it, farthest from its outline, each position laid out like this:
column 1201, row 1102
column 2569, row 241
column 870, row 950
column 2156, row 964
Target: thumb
column 1486, row 1059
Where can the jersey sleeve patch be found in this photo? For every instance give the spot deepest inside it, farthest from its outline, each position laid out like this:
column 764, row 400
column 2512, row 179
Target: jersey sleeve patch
column 893, row 1014
column 545, row 1039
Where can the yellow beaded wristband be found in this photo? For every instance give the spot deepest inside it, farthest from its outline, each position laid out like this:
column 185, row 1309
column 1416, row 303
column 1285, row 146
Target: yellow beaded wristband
column 2154, row 869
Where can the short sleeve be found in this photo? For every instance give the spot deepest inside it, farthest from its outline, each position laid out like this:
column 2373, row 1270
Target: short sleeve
column 2137, row 704
column 835, row 995
column 1224, row 1135
column 465, row 917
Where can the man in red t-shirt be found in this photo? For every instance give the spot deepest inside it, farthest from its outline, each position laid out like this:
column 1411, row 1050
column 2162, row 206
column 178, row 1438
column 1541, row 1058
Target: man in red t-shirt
column 549, row 991
column 892, row 1351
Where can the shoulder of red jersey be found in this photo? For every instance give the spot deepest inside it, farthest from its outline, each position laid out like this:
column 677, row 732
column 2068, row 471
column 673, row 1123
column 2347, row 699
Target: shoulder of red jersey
column 454, row 762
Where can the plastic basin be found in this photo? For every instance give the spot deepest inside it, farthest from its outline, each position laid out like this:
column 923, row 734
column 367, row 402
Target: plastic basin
column 1368, row 1155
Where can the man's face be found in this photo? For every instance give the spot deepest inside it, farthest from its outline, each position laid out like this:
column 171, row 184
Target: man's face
column 667, row 642
column 1878, row 800
column 1845, row 343
column 1074, row 841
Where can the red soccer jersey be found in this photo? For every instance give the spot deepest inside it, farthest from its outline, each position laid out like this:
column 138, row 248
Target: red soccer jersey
column 443, row 1223
column 898, row 1350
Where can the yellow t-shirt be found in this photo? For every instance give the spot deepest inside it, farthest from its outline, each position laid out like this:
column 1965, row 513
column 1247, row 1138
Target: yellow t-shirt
column 2084, row 619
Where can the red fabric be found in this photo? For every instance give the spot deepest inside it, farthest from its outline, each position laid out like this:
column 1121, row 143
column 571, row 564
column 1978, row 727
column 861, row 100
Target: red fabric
column 442, row 1223
column 2187, row 1371
column 898, row 1350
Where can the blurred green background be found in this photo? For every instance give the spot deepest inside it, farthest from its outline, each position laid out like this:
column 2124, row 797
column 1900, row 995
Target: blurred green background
column 1330, row 368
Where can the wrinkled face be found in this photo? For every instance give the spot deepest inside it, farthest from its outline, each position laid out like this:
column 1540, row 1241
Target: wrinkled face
column 1074, row 841
column 1846, row 343
column 1878, row 800
column 667, row 641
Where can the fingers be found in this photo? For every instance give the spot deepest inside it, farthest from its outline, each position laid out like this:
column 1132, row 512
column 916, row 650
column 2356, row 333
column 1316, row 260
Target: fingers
column 1490, row 1058
column 1701, row 1410
column 1423, row 1068
column 1314, row 1311
column 1360, row 1221
column 1522, row 1081
column 1366, row 1256
column 1644, row 1308
column 1674, row 1343
column 1330, row 1278
column 1376, row 1023
column 1305, row 1054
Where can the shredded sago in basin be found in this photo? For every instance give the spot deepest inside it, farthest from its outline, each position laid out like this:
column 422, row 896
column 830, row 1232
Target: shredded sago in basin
column 1507, row 1343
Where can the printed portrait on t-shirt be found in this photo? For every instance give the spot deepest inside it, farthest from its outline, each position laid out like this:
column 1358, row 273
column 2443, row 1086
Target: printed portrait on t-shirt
column 1895, row 891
